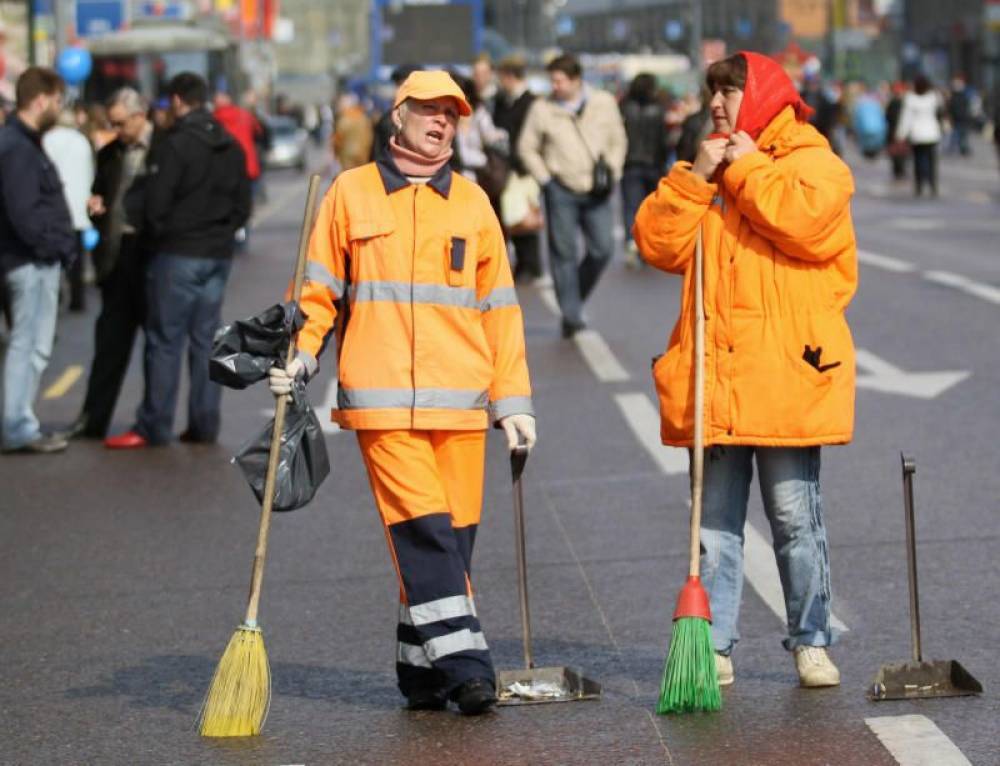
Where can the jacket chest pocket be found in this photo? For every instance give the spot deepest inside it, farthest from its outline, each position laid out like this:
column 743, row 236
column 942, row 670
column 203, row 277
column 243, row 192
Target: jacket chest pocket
column 369, row 249
column 459, row 260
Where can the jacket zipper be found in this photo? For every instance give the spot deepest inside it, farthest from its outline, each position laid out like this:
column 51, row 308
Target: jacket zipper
column 413, row 315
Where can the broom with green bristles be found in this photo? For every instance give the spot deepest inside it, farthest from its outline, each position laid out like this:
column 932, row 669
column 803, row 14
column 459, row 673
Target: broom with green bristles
column 240, row 694
column 690, row 682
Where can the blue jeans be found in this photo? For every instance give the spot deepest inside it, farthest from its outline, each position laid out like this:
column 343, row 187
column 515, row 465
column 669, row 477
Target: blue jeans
column 565, row 212
column 34, row 300
column 638, row 182
column 789, row 487
column 184, row 302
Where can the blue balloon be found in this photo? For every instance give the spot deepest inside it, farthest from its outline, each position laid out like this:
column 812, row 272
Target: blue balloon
column 90, row 238
column 74, row 65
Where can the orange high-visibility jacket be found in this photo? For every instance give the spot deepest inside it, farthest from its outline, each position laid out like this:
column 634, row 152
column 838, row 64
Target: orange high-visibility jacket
column 434, row 334
column 780, row 269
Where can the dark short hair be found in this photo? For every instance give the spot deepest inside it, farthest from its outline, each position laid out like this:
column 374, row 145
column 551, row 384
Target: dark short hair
column 36, row 81
column 568, row 64
column 921, row 84
column 730, row 72
column 189, row 88
column 513, row 66
column 400, row 73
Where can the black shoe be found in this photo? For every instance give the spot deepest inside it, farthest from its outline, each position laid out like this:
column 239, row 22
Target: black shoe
column 474, row 697
column 189, row 437
column 81, row 429
column 569, row 329
column 427, row 699
column 41, row 445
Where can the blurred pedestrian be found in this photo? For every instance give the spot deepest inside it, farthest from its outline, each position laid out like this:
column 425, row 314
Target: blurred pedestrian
column 644, row 116
column 73, row 157
column 771, row 203
column 898, row 149
column 574, row 145
column 353, row 133
column 824, row 100
column 484, row 81
column 920, row 126
column 695, row 127
column 117, row 205
column 431, row 354
column 36, row 238
column 262, row 142
column 510, row 110
column 483, row 149
column 242, row 125
column 197, row 196
column 960, row 116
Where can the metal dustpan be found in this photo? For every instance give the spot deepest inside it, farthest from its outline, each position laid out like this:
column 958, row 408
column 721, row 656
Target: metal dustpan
column 532, row 686
column 919, row 678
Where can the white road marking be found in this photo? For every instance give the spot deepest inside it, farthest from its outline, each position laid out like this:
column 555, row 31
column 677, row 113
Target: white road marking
column 915, row 740
column 885, row 262
column 548, row 296
column 970, row 286
column 599, row 357
column 644, row 420
column 761, row 571
column 887, row 378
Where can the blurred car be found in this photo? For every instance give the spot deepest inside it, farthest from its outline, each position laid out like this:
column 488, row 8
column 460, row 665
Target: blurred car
column 288, row 144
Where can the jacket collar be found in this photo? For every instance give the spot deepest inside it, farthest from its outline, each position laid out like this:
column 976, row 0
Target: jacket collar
column 393, row 180
column 33, row 135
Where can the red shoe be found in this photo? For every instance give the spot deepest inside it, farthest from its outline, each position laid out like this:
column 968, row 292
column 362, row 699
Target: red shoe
column 127, row 440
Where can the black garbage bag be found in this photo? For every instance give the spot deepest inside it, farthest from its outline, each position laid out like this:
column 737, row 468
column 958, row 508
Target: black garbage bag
column 243, row 352
column 302, row 464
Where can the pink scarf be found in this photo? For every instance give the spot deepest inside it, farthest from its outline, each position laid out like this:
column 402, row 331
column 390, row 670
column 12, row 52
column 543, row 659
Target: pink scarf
column 412, row 164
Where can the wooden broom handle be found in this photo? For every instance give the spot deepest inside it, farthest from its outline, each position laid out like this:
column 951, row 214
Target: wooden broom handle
column 257, row 578
column 698, row 454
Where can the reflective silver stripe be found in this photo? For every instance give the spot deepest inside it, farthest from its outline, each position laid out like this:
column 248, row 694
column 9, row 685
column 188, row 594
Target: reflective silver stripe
column 426, row 398
column 404, row 292
column 511, row 405
column 498, row 298
column 441, row 609
column 459, row 641
column 317, row 272
column 411, row 654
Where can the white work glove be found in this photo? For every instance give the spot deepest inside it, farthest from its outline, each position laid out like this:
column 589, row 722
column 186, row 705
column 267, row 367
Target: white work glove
column 280, row 379
column 519, row 428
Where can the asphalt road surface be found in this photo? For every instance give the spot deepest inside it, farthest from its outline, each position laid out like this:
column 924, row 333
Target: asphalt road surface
column 122, row 575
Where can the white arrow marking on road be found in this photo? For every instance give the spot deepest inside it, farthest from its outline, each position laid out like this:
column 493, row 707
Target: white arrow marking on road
column 644, row 420
column 915, row 740
column 602, row 362
column 889, row 379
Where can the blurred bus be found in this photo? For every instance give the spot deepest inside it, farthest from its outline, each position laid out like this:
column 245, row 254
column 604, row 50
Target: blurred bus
column 147, row 55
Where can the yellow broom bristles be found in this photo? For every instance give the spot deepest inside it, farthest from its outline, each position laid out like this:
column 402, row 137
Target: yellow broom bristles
column 240, row 695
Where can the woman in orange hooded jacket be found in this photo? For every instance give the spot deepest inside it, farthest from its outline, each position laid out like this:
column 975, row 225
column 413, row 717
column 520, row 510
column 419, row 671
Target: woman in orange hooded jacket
column 772, row 203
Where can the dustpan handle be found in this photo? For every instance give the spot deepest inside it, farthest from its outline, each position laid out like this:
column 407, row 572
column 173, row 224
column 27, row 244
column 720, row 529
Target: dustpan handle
column 910, row 468
column 518, row 457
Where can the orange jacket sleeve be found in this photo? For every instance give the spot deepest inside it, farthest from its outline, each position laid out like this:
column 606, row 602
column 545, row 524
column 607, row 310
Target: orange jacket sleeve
column 667, row 222
column 325, row 278
column 510, row 391
column 801, row 204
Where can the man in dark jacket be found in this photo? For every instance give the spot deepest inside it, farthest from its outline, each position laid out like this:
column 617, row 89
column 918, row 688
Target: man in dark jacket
column 36, row 238
column 117, row 208
column 197, row 196
column 510, row 108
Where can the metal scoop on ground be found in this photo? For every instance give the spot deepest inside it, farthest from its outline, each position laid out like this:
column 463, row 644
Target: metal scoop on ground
column 535, row 685
column 918, row 678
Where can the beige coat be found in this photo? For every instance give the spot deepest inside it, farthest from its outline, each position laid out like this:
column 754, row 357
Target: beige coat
column 551, row 146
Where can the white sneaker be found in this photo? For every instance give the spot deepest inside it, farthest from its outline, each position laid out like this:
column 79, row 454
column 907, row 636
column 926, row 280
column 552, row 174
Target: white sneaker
column 724, row 669
column 815, row 667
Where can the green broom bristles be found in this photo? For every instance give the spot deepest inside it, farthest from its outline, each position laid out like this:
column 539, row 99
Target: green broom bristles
column 690, row 682
column 240, row 695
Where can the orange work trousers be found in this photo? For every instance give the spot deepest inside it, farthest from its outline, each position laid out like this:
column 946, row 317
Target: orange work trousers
column 428, row 486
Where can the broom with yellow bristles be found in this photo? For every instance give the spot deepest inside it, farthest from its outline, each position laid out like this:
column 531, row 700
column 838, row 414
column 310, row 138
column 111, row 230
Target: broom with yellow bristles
column 690, row 681
column 240, row 694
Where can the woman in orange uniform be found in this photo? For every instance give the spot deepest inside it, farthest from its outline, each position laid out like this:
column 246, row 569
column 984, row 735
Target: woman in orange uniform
column 431, row 352
column 772, row 203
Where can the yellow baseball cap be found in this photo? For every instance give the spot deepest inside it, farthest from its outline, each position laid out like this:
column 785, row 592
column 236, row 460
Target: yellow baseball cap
column 424, row 86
